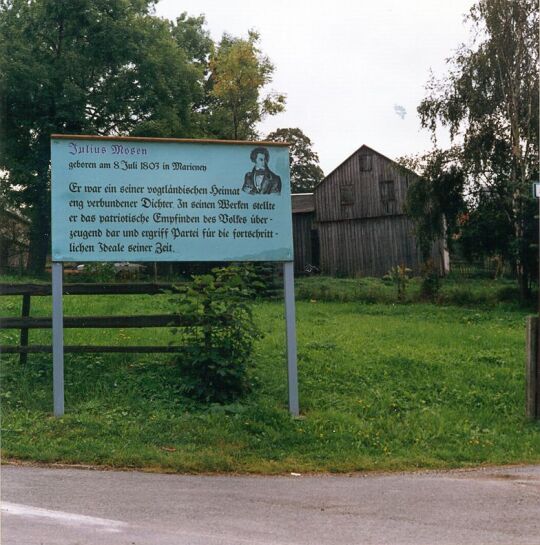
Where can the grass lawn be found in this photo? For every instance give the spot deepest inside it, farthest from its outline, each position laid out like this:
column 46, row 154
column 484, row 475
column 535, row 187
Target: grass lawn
column 382, row 386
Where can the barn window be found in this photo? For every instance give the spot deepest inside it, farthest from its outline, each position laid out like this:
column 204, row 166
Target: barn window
column 346, row 194
column 388, row 195
column 365, row 162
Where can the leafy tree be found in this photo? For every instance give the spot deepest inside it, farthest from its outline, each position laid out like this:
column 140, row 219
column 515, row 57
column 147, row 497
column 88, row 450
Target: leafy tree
column 82, row 66
column 435, row 203
column 304, row 162
column 194, row 39
column 238, row 73
column 489, row 101
column 435, row 200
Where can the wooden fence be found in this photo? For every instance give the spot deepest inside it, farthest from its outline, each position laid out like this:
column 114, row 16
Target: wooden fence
column 25, row 322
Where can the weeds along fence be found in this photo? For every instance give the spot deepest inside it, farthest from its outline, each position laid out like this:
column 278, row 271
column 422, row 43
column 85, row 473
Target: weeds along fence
column 26, row 322
column 484, row 268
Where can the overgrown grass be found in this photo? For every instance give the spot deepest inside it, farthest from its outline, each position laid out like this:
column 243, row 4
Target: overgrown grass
column 382, row 386
column 454, row 291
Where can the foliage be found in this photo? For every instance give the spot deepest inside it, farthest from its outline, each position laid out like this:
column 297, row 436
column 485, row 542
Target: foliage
column 435, row 203
column 458, row 289
column 97, row 272
column 399, row 275
column 194, row 39
column 486, row 230
column 219, row 346
column 84, row 66
column 238, row 73
column 434, row 200
column 489, row 102
column 304, row 162
column 431, row 280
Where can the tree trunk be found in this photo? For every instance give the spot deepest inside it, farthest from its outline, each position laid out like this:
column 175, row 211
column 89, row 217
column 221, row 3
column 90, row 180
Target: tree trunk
column 40, row 216
column 39, row 238
column 524, row 288
column 522, row 269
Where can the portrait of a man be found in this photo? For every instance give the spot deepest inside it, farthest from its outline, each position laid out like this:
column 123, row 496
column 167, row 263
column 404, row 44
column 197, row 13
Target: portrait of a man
column 261, row 180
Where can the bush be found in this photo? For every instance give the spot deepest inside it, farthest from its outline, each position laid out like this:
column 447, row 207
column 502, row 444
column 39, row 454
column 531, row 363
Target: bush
column 97, row 272
column 218, row 347
column 399, row 276
column 431, row 282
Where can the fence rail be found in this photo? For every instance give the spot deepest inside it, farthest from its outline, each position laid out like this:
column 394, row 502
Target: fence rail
column 104, row 322
column 79, row 349
column 88, row 289
column 26, row 322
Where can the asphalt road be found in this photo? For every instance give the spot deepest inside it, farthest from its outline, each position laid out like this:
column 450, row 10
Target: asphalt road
column 49, row 506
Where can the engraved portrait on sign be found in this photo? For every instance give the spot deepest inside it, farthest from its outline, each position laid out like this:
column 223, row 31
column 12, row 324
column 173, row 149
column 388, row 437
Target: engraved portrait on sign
column 260, row 180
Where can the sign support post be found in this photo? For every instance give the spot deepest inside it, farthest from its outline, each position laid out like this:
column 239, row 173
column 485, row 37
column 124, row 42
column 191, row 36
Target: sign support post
column 58, row 338
column 532, row 363
column 290, row 320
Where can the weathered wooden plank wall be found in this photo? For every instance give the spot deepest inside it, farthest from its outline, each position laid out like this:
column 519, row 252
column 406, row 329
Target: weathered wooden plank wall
column 367, row 247
column 364, row 185
column 302, row 226
column 359, row 211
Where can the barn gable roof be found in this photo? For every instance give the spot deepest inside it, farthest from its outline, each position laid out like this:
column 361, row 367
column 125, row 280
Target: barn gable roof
column 363, row 147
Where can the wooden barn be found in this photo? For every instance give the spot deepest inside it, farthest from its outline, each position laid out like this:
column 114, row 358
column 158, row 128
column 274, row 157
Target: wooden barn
column 359, row 224
column 305, row 234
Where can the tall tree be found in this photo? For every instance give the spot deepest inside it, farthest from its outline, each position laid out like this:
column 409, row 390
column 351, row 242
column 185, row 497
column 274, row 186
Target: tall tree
column 304, row 162
column 435, row 199
column 82, row 66
column 238, row 74
column 194, row 38
column 489, row 101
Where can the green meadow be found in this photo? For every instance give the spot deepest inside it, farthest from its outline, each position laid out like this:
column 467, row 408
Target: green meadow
column 383, row 386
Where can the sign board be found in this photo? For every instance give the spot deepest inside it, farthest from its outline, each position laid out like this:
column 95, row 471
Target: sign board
column 536, row 189
column 137, row 199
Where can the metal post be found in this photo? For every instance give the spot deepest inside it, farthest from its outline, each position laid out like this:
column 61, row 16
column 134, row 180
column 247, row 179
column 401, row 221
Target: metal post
column 58, row 339
column 290, row 319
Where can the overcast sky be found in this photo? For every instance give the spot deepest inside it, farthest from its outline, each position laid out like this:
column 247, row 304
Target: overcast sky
column 353, row 71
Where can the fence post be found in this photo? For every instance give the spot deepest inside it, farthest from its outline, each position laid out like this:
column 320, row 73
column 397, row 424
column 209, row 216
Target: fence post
column 532, row 394
column 23, row 356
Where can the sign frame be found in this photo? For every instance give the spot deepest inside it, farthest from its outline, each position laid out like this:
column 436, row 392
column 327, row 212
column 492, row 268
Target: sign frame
column 137, row 199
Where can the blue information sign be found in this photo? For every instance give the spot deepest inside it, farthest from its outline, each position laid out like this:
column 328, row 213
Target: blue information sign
column 136, row 199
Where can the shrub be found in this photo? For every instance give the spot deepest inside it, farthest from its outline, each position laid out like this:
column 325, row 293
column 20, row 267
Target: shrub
column 400, row 278
column 97, row 272
column 218, row 346
column 431, row 282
